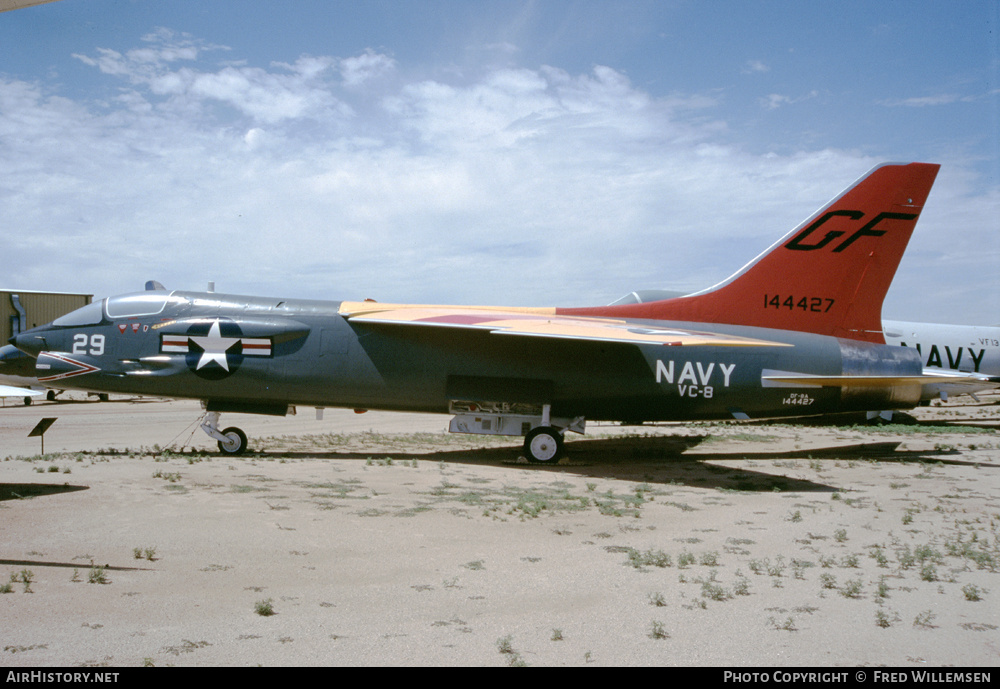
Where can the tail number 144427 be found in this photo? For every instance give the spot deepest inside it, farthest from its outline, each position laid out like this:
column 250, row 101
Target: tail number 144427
column 790, row 302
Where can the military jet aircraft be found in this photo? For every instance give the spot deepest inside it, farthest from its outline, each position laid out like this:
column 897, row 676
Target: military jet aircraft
column 16, row 370
column 965, row 359
column 17, row 373
column 795, row 332
column 16, row 367
column 24, row 393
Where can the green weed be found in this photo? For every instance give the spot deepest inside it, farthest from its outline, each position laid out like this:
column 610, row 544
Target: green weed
column 658, row 631
column 264, row 608
column 973, row 592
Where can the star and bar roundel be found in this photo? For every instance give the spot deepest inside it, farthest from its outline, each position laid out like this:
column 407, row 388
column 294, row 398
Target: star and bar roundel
column 214, row 349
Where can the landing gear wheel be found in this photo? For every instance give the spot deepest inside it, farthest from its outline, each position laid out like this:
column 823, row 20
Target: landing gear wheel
column 543, row 445
column 236, row 442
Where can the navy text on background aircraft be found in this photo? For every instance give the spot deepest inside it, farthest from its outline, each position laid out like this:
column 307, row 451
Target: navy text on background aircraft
column 796, row 332
column 964, row 359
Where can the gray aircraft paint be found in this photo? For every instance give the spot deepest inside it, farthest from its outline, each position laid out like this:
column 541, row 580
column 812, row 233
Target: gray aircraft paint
column 408, row 369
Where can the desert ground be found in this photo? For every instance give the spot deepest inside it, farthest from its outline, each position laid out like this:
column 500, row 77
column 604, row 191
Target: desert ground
column 379, row 539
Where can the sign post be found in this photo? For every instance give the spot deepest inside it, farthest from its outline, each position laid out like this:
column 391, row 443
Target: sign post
column 40, row 428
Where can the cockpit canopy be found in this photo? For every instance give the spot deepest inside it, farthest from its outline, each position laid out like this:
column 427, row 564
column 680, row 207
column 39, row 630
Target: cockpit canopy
column 123, row 306
column 140, row 304
column 88, row 315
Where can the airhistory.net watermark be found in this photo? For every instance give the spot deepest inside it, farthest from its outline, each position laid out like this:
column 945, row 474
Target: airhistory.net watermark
column 32, row 676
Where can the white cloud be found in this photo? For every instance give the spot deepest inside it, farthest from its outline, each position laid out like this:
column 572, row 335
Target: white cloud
column 773, row 101
column 255, row 138
column 755, row 67
column 322, row 178
column 923, row 101
column 355, row 71
column 164, row 47
column 288, row 91
column 267, row 97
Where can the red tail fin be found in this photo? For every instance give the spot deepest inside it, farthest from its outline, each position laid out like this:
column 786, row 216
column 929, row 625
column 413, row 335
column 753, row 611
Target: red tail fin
column 827, row 276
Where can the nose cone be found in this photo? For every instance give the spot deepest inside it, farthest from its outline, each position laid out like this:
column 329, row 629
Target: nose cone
column 31, row 342
column 14, row 362
column 9, row 353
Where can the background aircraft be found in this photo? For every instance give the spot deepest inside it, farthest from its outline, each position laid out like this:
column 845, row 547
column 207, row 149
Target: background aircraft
column 796, row 332
column 966, row 358
column 17, row 372
column 10, row 391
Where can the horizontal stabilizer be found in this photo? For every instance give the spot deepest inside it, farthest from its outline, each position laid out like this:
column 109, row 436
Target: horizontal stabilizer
column 782, row 379
column 939, row 375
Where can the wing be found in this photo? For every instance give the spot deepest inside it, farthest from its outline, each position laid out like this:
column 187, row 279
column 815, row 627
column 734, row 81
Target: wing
column 6, row 5
column 529, row 322
column 9, row 391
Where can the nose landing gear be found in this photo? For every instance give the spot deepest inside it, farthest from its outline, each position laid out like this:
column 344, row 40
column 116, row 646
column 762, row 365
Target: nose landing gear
column 232, row 441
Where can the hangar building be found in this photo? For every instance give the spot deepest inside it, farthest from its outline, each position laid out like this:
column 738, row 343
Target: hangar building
column 24, row 309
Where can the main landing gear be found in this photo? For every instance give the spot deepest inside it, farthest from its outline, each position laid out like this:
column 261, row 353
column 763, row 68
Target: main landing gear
column 543, row 434
column 232, row 441
column 544, row 445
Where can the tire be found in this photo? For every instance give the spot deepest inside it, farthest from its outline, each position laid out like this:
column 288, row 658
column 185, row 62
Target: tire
column 543, row 445
column 237, row 444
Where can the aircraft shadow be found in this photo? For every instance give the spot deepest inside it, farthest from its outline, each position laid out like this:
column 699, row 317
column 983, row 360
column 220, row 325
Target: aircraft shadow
column 18, row 491
column 69, row 565
column 94, row 400
column 660, row 459
column 622, row 459
column 859, row 419
column 976, row 423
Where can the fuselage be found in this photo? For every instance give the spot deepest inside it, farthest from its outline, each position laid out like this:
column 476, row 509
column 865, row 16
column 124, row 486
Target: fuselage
column 973, row 348
column 956, row 348
column 263, row 355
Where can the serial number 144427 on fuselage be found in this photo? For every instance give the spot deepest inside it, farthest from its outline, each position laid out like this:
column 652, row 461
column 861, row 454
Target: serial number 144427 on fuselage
column 744, row 348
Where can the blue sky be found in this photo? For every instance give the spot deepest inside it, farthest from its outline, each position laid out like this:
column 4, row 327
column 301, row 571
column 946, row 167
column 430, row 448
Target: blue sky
column 522, row 153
